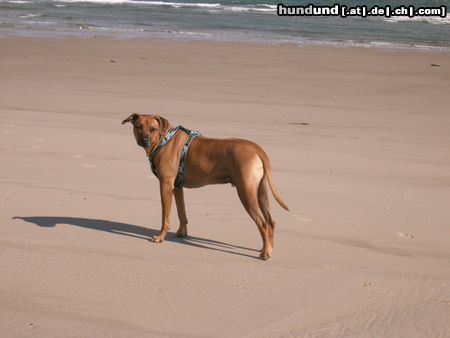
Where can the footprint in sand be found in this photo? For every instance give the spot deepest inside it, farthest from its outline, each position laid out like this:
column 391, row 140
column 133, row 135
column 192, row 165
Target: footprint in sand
column 305, row 219
column 405, row 235
column 442, row 301
column 367, row 284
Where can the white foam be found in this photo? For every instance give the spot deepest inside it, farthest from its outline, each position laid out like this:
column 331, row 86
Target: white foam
column 151, row 3
column 174, row 4
column 25, row 16
column 42, row 23
column 427, row 19
column 214, row 7
column 251, row 9
column 195, row 33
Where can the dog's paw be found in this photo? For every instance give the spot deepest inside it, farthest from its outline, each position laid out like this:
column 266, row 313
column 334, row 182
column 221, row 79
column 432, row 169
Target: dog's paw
column 181, row 233
column 264, row 256
column 156, row 239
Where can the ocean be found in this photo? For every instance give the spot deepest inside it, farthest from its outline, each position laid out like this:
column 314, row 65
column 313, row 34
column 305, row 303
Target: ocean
column 225, row 20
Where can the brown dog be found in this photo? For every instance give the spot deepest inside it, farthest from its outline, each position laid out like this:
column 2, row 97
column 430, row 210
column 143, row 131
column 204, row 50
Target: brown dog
column 209, row 161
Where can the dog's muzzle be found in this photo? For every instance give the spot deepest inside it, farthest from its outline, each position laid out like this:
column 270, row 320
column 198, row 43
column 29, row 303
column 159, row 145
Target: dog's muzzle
column 144, row 142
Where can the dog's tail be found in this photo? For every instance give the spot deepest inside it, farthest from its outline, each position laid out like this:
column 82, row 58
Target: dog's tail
column 268, row 173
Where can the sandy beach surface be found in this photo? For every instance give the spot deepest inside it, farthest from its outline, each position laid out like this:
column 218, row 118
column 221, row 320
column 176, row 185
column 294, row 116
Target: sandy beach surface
column 359, row 141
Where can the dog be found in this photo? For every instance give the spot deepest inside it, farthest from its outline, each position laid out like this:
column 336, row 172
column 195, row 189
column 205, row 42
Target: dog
column 181, row 159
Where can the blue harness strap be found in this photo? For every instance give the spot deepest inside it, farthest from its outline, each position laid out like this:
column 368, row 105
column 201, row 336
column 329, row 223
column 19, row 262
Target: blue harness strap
column 179, row 180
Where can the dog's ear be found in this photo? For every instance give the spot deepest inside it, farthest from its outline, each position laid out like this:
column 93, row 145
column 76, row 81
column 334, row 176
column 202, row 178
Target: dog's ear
column 163, row 124
column 132, row 118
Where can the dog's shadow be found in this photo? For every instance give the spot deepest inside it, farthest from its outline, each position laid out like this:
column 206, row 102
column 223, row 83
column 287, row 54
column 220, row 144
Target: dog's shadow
column 135, row 231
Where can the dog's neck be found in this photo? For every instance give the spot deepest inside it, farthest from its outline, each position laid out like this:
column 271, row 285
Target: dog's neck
column 149, row 150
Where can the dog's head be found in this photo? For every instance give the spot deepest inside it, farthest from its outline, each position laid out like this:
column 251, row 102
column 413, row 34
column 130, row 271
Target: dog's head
column 148, row 129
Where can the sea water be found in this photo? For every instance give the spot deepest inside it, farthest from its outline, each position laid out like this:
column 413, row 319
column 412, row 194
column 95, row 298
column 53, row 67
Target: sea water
column 224, row 20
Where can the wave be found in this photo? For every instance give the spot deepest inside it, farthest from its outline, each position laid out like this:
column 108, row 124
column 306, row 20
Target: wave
column 210, row 7
column 431, row 20
column 375, row 44
column 131, row 32
column 254, row 8
column 214, row 7
column 26, row 16
column 41, row 23
column 137, row 2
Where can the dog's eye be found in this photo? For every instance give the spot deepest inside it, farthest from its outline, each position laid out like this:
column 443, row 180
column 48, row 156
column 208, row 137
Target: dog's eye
column 152, row 129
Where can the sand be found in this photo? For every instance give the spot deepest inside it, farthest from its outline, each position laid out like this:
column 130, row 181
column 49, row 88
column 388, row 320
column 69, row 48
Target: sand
column 360, row 146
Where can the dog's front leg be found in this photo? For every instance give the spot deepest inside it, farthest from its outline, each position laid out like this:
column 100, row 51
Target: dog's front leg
column 179, row 199
column 166, row 191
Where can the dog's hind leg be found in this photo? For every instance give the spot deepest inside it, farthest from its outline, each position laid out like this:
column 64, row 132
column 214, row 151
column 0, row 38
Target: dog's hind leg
column 249, row 200
column 179, row 200
column 247, row 182
column 263, row 202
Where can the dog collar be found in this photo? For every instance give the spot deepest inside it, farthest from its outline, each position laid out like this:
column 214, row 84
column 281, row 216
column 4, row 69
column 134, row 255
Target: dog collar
column 179, row 180
column 163, row 142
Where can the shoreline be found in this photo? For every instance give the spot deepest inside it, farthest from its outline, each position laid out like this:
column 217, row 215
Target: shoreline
column 387, row 46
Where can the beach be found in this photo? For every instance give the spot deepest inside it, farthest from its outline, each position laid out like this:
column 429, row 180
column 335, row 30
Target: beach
column 359, row 143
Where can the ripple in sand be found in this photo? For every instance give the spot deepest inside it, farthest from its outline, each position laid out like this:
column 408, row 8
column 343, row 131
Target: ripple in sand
column 305, row 219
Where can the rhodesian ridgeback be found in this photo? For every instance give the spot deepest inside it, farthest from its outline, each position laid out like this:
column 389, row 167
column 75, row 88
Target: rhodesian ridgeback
column 205, row 161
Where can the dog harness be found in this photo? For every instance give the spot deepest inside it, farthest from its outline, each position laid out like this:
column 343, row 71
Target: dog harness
column 179, row 180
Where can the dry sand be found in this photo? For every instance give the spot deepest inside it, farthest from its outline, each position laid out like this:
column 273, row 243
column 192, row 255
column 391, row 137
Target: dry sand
column 360, row 146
